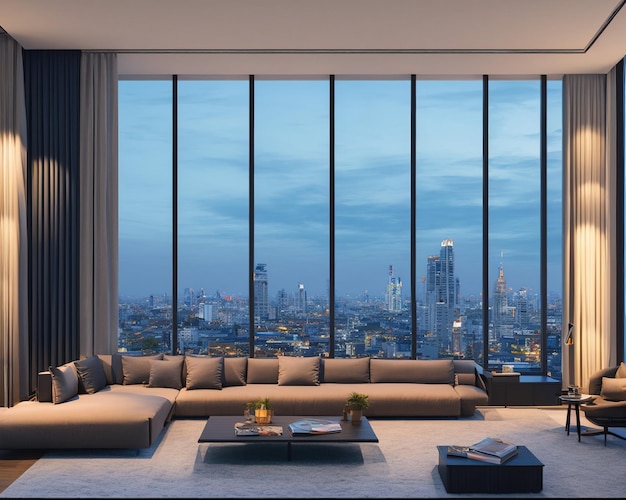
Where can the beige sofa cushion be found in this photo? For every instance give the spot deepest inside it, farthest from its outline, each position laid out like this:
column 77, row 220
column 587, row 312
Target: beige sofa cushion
column 262, row 371
column 346, row 370
column 415, row 371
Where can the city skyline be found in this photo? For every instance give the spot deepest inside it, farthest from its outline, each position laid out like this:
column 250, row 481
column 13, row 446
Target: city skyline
column 372, row 211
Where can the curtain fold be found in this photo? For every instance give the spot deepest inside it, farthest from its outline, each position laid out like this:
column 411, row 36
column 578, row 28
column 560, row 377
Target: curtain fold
column 52, row 112
column 588, row 226
column 13, row 230
column 98, row 202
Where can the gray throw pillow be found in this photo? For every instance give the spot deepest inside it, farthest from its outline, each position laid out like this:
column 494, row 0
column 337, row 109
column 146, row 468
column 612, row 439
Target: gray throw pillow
column 204, row 373
column 235, row 371
column 166, row 373
column 64, row 383
column 614, row 389
column 137, row 368
column 91, row 374
column 298, row 371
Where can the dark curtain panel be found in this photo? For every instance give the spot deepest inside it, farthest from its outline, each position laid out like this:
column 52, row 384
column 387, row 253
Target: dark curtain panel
column 52, row 91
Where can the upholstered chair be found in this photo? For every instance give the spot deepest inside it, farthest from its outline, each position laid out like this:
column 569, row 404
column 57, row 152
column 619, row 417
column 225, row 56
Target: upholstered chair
column 608, row 409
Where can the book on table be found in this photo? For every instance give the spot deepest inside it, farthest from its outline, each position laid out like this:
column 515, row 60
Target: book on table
column 314, row 426
column 492, row 450
column 244, row 429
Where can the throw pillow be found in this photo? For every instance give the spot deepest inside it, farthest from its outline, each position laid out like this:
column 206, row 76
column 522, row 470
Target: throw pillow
column 262, row 371
column 64, row 383
column 204, row 373
column 91, row 374
column 137, row 368
column 621, row 371
column 415, row 371
column 166, row 373
column 464, row 379
column 235, row 371
column 613, row 389
column 346, row 370
column 298, row 371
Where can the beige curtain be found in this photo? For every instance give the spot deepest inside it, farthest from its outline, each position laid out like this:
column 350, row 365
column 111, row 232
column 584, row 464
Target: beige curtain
column 13, row 235
column 589, row 225
column 98, row 201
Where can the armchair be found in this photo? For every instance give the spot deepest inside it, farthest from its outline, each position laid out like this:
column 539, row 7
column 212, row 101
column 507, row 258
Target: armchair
column 609, row 407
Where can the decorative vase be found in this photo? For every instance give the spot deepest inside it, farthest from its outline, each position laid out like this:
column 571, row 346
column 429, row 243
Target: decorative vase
column 355, row 416
column 263, row 416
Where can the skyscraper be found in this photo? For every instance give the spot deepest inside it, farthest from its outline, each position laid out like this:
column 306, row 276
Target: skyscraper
column 261, row 296
column 394, row 292
column 442, row 289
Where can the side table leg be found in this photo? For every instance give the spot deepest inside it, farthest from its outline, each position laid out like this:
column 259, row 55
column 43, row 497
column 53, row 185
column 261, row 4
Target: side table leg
column 567, row 420
column 577, row 408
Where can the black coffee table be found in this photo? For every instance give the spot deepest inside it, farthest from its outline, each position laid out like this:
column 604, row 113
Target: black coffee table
column 221, row 429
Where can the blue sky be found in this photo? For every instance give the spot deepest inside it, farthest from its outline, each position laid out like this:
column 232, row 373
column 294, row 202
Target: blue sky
column 372, row 183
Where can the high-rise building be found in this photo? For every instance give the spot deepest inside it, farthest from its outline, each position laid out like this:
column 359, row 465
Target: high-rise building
column 500, row 305
column 301, row 299
column 442, row 292
column 261, row 296
column 394, row 292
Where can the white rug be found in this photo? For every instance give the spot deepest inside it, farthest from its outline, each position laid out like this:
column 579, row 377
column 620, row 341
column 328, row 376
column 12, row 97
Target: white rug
column 402, row 464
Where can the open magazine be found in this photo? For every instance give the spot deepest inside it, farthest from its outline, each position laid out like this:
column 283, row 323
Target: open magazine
column 243, row 429
column 492, row 450
column 313, row 426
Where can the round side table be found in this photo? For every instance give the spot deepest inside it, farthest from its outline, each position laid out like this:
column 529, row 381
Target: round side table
column 575, row 402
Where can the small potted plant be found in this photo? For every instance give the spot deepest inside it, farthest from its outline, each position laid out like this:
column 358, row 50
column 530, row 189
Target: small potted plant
column 263, row 411
column 356, row 403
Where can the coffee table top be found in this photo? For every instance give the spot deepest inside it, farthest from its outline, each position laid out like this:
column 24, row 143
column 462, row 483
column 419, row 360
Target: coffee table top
column 221, row 429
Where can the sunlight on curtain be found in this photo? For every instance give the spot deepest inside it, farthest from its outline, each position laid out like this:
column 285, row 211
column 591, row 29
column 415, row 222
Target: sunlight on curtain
column 588, row 235
column 13, row 301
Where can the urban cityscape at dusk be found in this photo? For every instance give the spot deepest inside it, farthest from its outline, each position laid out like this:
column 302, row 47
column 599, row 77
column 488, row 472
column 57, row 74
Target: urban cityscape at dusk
column 292, row 323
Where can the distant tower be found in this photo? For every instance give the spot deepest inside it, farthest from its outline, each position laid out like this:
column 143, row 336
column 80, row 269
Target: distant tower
column 261, row 296
column 301, row 299
column 442, row 294
column 394, row 292
column 500, row 303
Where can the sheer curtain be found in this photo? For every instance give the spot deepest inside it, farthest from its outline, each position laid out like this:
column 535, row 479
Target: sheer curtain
column 589, row 225
column 13, row 235
column 98, row 202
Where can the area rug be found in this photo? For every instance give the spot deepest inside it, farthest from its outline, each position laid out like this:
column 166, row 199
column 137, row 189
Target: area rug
column 402, row 465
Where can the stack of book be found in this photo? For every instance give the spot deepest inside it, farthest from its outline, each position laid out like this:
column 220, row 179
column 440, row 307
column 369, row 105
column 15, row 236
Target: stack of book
column 314, row 426
column 492, row 450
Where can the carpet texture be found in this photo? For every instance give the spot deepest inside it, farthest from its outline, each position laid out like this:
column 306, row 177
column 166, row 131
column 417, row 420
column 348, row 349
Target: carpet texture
column 402, row 465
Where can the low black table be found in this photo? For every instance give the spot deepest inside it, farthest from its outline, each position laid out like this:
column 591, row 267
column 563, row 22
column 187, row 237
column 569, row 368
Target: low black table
column 521, row 474
column 221, row 429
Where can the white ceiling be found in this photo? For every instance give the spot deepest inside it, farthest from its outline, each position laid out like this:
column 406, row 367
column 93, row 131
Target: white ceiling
column 440, row 38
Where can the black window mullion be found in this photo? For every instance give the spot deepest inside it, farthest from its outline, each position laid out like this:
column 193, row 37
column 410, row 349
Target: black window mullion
column 331, row 249
column 413, row 218
column 174, row 346
column 485, row 362
column 251, row 218
column 544, row 225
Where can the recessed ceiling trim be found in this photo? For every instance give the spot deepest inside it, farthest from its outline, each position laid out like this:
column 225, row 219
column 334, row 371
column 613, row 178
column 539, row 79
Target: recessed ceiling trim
column 343, row 51
column 606, row 23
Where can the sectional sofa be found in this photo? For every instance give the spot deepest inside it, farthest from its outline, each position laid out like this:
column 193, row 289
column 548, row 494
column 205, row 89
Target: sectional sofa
column 120, row 401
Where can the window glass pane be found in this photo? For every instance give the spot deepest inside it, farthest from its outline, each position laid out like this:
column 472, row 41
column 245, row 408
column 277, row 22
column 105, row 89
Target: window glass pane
column 213, row 217
column 291, row 220
column 515, row 225
column 554, row 344
column 449, row 226
column 372, row 218
column 145, row 216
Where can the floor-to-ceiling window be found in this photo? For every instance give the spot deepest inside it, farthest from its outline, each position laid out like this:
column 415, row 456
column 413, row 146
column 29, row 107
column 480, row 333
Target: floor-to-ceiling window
column 449, row 227
column 145, row 216
column 367, row 202
column 291, row 210
column 372, row 218
column 213, row 201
